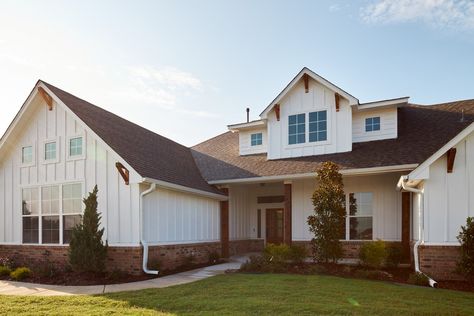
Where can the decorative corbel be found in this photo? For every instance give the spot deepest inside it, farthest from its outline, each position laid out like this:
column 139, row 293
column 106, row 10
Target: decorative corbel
column 123, row 172
column 46, row 97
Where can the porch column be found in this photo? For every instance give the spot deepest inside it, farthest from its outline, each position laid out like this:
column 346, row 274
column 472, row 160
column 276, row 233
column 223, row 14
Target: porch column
column 287, row 214
column 406, row 225
column 225, row 225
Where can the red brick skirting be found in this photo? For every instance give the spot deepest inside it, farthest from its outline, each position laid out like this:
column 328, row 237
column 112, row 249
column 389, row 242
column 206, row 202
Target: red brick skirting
column 245, row 246
column 439, row 262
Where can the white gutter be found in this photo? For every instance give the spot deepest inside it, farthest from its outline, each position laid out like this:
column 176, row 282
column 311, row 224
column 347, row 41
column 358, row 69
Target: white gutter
column 181, row 188
column 142, row 241
column 402, row 184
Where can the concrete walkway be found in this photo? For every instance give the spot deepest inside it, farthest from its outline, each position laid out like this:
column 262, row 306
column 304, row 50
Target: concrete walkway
column 23, row 288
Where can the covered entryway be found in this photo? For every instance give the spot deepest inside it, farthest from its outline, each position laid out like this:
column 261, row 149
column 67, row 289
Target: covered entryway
column 274, row 225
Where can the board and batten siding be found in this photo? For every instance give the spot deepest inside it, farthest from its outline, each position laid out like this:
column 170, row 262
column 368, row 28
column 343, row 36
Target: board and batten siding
column 118, row 203
column 449, row 197
column 386, row 205
column 172, row 217
column 245, row 147
column 388, row 125
column 318, row 98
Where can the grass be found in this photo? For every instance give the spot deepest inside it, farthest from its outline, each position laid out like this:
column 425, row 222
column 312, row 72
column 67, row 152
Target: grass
column 257, row 294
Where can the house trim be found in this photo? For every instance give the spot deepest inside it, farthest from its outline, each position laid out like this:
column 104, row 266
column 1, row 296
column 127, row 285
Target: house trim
column 182, row 188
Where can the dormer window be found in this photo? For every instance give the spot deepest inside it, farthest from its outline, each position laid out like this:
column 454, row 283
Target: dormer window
column 256, row 139
column 372, row 124
column 296, row 129
column 318, row 126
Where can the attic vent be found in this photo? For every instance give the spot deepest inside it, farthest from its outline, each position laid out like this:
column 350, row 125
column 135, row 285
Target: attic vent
column 123, row 172
column 46, row 97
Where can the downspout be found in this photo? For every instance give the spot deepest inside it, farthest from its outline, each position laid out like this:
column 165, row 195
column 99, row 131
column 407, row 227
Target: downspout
column 421, row 240
column 142, row 241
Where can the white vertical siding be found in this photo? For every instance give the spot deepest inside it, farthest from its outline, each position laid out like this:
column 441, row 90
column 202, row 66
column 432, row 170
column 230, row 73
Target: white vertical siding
column 171, row 217
column 449, row 196
column 388, row 125
column 296, row 102
column 239, row 213
column 118, row 203
column 245, row 147
column 386, row 205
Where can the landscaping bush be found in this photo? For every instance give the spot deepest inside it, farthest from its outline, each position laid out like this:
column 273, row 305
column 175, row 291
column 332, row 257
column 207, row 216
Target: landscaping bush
column 298, row 254
column 7, row 262
column 327, row 222
column 213, row 257
column 87, row 252
column 20, row 273
column 466, row 238
column 418, row 278
column 4, row 271
column 275, row 259
column 395, row 255
column 254, row 264
column 373, row 254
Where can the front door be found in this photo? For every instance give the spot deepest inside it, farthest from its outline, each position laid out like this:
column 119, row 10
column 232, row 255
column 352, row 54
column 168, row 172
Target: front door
column 274, row 225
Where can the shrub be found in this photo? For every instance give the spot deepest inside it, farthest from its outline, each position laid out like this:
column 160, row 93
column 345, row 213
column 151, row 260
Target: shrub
column 298, row 254
column 466, row 238
column 418, row 278
column 254, row 264
column 327, row 222
column 394, row 256
column 6, row 262
column 4, row 271
column 373, row 254
column 20, row 273
column 87, row 252
column 213, row 257
column 277, row 253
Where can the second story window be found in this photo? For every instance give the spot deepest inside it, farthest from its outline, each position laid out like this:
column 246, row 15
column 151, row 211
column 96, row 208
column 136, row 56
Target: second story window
column 318, row 126
column 50, row 151
column 75, row 146
column 296, row 129
column 27, row 154
column 256, row 139
column 372, row 124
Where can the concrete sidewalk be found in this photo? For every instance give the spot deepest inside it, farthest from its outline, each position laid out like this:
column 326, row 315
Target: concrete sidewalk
column 23, row 288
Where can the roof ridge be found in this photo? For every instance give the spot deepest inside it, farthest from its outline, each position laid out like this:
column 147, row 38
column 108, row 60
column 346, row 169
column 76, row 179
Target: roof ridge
column 443, row 103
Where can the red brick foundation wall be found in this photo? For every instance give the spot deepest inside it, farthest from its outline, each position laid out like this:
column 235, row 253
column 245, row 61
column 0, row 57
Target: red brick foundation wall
column 439, row 262
column 244, row 246
column 127, row 259
column 169, row 257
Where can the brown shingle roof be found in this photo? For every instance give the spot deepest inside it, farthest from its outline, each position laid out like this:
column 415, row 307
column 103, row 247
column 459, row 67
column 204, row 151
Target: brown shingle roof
column 422, row 130
column 151, row 155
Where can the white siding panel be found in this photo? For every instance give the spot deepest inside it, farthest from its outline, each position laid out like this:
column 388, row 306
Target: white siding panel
column 245, row 147
column 388, row 125
column 172, row 217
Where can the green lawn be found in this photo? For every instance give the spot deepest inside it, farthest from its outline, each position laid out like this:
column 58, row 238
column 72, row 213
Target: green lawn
column 258, row 294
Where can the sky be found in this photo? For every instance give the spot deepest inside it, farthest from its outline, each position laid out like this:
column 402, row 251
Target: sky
column 187, row 69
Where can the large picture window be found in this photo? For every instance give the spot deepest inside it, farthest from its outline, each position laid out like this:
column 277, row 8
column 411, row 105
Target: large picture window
column 51, row 212
column 359, row 221
column 296, row 129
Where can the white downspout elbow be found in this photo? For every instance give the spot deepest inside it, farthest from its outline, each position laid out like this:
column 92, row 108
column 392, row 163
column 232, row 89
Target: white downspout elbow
column 421, row 239
column 142, row 241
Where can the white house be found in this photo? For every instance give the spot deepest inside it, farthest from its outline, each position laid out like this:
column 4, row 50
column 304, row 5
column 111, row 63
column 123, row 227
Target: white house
column 410, row 169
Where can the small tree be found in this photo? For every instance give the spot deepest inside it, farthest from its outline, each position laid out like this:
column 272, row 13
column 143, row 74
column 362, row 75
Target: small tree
column 327, row 222
column 87, row 252
column 466, row 238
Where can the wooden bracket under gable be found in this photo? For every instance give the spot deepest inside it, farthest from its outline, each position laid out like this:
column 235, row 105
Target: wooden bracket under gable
column 451, row 156
column 337, row 99
column 306, row 83
column 46, row 97
column 123, row 172
column 277, row 111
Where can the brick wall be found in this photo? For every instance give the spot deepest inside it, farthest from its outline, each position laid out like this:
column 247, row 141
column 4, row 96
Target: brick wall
column 245, row 246
column 439, row 262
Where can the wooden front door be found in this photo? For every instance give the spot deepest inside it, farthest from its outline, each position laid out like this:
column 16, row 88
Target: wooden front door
column 274, row 225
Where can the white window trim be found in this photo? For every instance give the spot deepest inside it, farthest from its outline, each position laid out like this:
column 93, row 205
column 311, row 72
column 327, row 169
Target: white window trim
column 307, row 143
column 40, row 214
column 68, row 143
column 256, row 146
column 56, row 140
column 348, row 218
column 33, row 155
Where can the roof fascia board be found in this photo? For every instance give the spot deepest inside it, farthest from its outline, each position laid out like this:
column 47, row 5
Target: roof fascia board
column 182, row 188
column 383, row 103
column 249, row 125
column 421, row 173
column 352, row 100
column 345, row 172
column 137, row 177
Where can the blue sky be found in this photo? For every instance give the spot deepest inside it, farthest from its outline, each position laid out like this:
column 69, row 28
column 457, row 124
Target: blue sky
column 186, row 69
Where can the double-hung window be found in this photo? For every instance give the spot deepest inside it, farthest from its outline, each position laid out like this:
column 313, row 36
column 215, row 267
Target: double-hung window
column 296, row 129
column 51, row 212
column 359, row 222
column 372, row 124
column 318, row 126
column 256, row 139
column 50, row 151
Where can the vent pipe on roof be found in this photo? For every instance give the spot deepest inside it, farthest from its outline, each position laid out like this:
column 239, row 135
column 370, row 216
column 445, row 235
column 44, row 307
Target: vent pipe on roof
column 248, row 114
